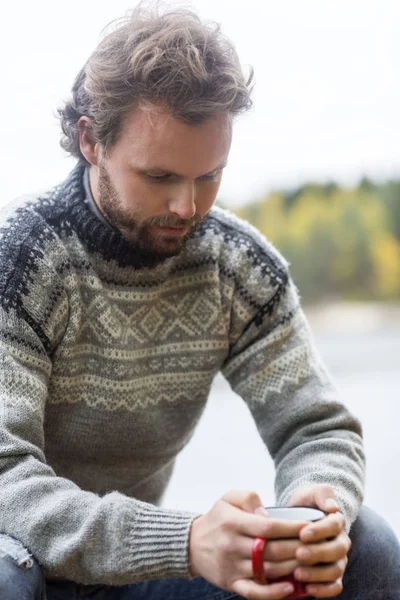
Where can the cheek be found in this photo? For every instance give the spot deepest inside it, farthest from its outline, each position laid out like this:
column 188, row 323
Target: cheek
column 140, row 196
column 205, row 198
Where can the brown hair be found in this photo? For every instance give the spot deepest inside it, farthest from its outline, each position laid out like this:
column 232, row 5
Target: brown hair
column 155, row 56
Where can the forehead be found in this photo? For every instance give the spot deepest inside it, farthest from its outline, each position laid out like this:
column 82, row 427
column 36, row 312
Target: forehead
column 155, row 138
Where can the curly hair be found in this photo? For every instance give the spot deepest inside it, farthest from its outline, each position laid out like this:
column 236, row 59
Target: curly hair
column 153, row 56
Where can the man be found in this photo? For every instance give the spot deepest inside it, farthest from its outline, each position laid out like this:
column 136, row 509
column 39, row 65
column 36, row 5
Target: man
column 123, row 293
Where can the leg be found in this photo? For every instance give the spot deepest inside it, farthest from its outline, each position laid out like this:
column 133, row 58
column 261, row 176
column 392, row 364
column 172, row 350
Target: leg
column 20, row 574
column 373, row 571
column 174, row 589
column 61, row 590
column 158, row 589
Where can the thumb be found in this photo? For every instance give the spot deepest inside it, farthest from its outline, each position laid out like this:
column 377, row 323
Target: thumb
column 325, row 498
column 320, row 496
column 245, row 500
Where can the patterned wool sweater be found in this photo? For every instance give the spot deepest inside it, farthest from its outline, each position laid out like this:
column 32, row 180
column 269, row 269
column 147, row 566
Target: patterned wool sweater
column 106, row 364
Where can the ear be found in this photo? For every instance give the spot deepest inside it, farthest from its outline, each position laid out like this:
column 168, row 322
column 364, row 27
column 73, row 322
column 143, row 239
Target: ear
column 88, row 146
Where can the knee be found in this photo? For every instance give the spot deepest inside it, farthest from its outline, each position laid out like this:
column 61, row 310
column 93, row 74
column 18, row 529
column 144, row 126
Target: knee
column 374, row 543
column 20, row 574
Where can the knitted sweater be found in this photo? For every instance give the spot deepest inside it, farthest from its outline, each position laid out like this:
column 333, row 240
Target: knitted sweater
column 107, row 360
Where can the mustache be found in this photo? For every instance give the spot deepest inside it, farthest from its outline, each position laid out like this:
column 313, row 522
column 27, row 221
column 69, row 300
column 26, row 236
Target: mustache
column 169, row 221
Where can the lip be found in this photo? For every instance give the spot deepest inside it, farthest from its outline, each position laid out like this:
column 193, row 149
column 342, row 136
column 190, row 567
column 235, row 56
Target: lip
column 174, row 230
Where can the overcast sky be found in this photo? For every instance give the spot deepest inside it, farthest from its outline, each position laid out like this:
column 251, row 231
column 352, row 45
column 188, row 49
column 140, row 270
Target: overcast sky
column 327, row 92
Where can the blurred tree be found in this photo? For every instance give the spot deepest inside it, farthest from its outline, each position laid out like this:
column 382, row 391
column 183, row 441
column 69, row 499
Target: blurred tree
column 390, row 194
column 340, row 242
column 386, row 261
column 367, row 185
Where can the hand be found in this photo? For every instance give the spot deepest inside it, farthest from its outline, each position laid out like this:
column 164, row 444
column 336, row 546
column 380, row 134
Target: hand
column 324, row 542
column 221, row 542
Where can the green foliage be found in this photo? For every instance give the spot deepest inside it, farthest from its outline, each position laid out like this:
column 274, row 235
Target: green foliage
column 390, row 193
column 342, row 243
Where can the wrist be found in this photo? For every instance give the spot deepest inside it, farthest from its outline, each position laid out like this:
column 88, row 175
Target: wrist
column 193, row 535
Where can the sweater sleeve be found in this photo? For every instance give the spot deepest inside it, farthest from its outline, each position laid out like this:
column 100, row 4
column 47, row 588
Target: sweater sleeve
column 74, row 534
column 274, row 366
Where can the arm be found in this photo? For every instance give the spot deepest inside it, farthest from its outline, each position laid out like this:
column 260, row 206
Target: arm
column 274, row 366
column 74, row 534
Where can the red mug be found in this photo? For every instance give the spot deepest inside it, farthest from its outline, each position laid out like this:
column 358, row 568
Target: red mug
column 290, row 513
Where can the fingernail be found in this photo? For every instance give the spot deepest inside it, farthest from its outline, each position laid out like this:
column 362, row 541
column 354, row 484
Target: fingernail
column 260, row 510
column 288, row 589
column 303, row 554
column 309, row 534
column 331, row 503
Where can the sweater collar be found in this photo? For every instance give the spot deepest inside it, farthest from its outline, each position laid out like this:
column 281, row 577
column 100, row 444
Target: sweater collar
column 93, row 229
column 90, row 200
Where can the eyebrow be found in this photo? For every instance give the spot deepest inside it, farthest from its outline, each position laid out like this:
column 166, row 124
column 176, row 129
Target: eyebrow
column 168, row 172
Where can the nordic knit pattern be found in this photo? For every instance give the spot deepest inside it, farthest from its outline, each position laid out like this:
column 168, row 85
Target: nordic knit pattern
column 106, row 362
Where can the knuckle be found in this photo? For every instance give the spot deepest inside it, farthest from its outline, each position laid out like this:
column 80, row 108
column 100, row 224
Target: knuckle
column 270, row 570
column 224, row 528
column 337, row 527
column 339, row 585
column 220, row 506
column 325, row 487
column 251, row 496
column 225, row 543
column 273, row 570
column 340, row 520
column 337, row 570
column 235, row 496
column 272, row 550
column 268, row 531
column 227, row 496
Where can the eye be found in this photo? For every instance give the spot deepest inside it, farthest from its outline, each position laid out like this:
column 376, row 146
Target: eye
column 158, row 178
column 210, row 176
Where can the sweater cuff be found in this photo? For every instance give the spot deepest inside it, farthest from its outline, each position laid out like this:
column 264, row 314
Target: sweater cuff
column 159, row 543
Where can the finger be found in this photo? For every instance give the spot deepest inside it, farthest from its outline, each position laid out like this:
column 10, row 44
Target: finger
column 250, row 502
column 255, row 525
column 325, row 499
column 252, row 526
column 330, row 526
column 249, row 589
column 325, row 590
column 325, row 573
column 279, row 550
column 272, row 570
column 324, row 552
column 279, row 529
column 321, row 496
column 244, row 502
column 244, row 499
column 275, row 550
column 280, row 569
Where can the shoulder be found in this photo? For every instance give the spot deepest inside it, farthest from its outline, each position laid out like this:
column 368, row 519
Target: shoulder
column 254, row 277
column 241, row 249
column 27, row 243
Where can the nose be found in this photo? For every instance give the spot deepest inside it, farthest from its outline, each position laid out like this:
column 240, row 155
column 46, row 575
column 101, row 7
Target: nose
column 183, row 204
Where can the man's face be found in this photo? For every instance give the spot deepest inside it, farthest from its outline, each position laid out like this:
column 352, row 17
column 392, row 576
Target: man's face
column 161, row 178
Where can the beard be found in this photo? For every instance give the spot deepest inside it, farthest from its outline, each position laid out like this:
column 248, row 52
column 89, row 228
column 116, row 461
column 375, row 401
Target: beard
column 141, row 232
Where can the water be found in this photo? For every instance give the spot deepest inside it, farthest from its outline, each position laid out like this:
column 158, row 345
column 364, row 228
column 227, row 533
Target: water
column 226, row 451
